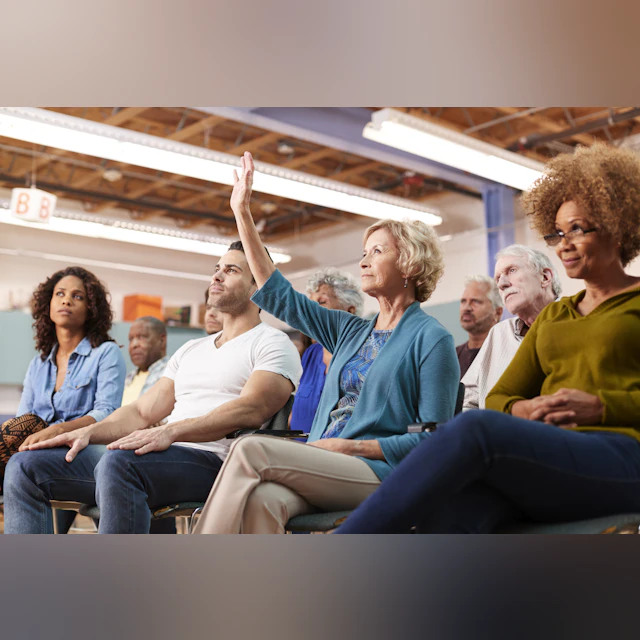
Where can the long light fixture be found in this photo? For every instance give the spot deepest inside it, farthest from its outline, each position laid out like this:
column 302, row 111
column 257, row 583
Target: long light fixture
column 77, row 135
column 415, row 135
column 124, row 231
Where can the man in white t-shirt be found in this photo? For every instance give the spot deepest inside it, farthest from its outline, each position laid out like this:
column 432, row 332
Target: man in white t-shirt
column 237, row 378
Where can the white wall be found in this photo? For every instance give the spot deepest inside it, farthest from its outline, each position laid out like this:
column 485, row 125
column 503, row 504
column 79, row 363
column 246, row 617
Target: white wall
column 339, row 246
column 20, row 275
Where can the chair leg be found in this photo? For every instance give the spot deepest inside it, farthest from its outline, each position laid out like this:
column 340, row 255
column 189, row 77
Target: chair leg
column 181, row 524
column 192, row 519
column 55, row 520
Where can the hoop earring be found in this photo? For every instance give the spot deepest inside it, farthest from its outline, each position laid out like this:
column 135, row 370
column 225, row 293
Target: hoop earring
column 406, row 281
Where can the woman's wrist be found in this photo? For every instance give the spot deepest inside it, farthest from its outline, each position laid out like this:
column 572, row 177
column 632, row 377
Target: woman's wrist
column 370, row 449
column 521, row 409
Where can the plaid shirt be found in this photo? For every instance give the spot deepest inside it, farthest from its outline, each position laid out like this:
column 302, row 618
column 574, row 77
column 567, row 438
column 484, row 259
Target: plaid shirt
column 155, row 373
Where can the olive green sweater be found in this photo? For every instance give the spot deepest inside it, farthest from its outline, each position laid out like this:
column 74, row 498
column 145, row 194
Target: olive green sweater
column 598, row 353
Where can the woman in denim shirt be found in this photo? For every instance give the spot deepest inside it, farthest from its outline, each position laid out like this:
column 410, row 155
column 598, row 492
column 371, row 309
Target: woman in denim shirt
column 78, row 378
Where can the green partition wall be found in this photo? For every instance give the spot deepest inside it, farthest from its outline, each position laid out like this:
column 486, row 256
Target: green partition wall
column 17, row 350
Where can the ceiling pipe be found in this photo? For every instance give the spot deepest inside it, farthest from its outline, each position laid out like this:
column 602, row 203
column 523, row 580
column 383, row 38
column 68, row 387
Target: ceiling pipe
column 108, row 197
column 536, row 139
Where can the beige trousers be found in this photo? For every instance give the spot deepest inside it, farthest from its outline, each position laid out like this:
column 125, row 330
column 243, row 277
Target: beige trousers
column 266, row 480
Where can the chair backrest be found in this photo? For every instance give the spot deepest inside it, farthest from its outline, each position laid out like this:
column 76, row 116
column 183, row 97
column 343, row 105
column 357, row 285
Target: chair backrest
column 459, row 399
column 280, row 421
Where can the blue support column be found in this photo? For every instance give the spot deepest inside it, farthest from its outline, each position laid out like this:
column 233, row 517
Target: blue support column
column 499, row 220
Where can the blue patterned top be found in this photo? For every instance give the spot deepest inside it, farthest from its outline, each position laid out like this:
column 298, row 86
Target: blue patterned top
column 352, row 378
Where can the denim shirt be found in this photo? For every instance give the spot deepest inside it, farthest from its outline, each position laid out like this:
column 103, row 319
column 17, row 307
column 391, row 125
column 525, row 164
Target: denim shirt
column 92, row 387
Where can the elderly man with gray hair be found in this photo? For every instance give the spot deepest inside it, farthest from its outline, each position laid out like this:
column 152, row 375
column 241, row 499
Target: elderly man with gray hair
column 480, row 309
column 527, row 282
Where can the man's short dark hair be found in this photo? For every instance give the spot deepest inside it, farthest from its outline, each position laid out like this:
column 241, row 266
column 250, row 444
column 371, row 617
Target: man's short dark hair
column 237, row 246
column 155, row 324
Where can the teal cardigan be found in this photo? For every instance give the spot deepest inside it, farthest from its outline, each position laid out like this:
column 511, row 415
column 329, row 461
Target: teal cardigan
column 413, row 379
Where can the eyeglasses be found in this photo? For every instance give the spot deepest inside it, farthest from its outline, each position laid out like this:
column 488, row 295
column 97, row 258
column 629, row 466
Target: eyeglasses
column 575, row 235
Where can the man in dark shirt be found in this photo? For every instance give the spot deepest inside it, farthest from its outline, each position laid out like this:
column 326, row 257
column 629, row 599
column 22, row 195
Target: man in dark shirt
column 480, row 309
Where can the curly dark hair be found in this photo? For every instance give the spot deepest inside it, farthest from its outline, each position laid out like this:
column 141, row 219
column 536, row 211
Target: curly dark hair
column 99, row 313
column 604, row 181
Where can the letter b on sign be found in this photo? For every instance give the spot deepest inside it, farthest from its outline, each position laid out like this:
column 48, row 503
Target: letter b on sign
column 32, row 205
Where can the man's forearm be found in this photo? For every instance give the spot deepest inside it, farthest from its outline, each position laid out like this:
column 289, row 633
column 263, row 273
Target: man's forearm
column 120, row 423
column 229, row 417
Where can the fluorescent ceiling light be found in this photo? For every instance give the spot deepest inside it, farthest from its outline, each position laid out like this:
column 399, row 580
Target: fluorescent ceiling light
column 132, row 232
column 415, row 135
column 123, row 145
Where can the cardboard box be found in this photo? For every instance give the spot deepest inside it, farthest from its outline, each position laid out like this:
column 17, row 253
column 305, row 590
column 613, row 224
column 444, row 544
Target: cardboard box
column 177, row 316
column 139, row 305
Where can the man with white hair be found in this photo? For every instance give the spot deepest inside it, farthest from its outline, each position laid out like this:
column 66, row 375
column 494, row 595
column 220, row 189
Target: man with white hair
column 527, row 282
column 480, row 309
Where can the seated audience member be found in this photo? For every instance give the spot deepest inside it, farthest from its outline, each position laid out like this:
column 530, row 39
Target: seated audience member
column 386, row 373
column 148, row 352
column 480, row 309
column 528, row 282
column 302, row 343
column 211, row 387
column 78, row 376
column 331, row 289
column 577, row 368
column 212, row 317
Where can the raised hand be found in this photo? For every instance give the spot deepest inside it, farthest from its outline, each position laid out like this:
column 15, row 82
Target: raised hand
column 241, row 194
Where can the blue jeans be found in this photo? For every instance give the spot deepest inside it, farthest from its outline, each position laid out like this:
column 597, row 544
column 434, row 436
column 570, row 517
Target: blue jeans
column 124, row 485
column 484, row 469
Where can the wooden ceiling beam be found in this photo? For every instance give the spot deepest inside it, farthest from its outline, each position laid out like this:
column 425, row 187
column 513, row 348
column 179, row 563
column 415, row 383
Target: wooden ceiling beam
column 310, row 158
column 188, row 201
column 256, row 143
column 194, row 129
column 124, row 115
column 355, row 171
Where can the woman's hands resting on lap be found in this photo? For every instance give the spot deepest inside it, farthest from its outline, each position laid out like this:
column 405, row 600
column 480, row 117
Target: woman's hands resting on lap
column 566, row 408
column 41, row 436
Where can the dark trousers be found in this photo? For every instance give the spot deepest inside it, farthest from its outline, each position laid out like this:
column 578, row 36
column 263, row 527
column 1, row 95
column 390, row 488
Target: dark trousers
column 484, row 469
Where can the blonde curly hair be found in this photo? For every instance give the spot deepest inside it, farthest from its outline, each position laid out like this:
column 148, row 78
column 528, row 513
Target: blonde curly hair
column 420, row 258
column 604, row 181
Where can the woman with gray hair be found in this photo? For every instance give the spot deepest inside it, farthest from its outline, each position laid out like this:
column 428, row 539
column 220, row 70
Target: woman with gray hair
column 331, row 289
column 385, row 374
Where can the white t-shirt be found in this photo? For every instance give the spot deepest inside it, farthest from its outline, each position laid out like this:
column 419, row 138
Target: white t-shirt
column 206, row 377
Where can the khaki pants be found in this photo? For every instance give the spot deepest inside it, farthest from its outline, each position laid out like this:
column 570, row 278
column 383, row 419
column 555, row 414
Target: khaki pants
column 266, row 480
